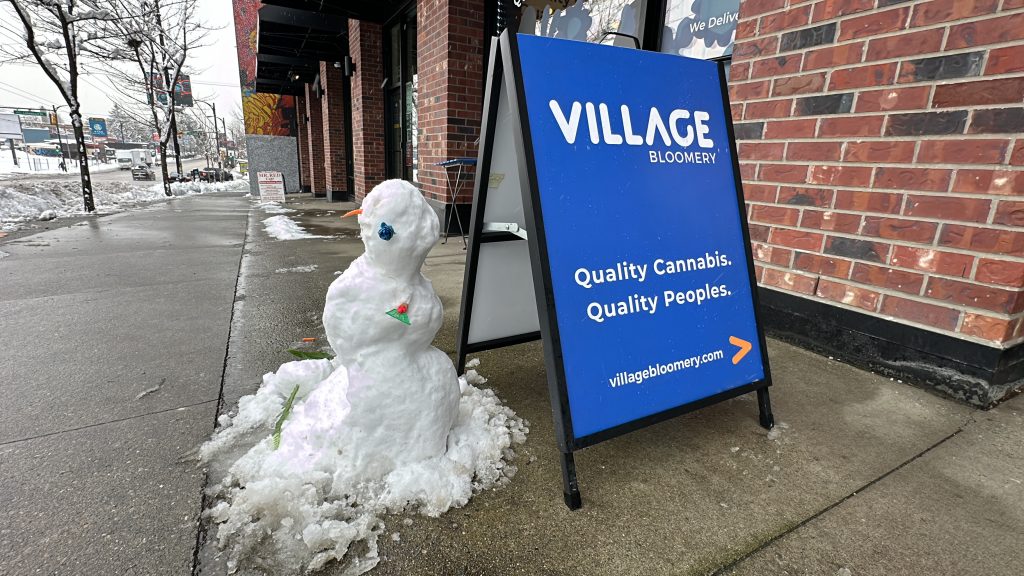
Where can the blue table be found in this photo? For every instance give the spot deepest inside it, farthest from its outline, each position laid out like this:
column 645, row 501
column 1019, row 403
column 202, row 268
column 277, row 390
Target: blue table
column 453, row 190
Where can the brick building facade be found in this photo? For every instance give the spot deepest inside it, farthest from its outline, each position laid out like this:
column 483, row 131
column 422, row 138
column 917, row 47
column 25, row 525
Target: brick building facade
column 881, row 151
column 880, row 144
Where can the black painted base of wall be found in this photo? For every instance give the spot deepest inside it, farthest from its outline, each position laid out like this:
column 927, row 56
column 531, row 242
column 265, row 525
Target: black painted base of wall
column 339, row 196
column 967, row 371
column 445, row 210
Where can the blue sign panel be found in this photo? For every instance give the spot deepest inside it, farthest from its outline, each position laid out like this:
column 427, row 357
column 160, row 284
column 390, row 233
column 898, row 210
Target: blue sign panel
column 98, row 127
column 643, row 229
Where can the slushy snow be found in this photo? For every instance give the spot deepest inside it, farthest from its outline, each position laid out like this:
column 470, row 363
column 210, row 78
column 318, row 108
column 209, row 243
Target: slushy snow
column 307, row 268
column 384, row 427
column 275, row 208
column 284, row 228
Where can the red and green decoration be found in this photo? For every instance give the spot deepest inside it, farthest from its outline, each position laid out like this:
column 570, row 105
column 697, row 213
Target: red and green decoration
column 401, row 313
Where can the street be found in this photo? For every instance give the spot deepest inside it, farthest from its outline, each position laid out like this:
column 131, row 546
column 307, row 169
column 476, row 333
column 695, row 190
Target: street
column 104, row 175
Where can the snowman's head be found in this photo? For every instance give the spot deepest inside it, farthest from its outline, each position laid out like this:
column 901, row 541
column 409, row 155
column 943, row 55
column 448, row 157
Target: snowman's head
column 398, row 227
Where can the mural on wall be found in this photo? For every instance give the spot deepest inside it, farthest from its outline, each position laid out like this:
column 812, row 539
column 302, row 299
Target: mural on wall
column 265, row 114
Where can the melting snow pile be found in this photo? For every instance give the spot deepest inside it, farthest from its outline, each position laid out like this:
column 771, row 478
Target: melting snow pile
column 284, row 228
column 310, row 463
column 186, row 188
column 275, row 208
column 27, row 200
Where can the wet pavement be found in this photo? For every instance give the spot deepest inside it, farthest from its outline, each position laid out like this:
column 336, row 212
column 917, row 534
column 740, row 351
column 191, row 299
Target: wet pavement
column 113, row 337
column 863, row 476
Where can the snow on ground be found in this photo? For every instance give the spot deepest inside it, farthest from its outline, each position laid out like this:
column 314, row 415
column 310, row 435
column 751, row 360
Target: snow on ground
column 308, row 268
column 284, row 228
column 288, row 512
column 275, row 208
column 186, row 188
column 22, row 201
column 34, row 164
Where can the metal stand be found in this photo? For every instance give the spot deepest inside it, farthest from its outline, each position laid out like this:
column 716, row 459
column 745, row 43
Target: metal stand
column 571, row 488
column 453, row 191
column 764, row 407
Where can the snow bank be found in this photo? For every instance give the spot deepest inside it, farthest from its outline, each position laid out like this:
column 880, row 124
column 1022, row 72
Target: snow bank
column 187, row 188
column 284, row 228
column 35, row 164
column 294, row 509
column 27, row 200
column 23, row 201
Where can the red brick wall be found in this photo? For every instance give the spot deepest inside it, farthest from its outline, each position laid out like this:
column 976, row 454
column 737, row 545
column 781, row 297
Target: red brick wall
column 317, row 174
column 333, row 109
column 364, row 44
column 300, row 121
column 450, row 41
column 883, row 159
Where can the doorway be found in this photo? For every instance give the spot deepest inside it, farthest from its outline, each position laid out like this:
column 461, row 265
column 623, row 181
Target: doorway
column 400, row 97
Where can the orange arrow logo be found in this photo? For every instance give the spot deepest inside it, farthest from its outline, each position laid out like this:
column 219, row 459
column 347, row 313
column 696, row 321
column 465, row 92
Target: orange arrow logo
column 744, row 347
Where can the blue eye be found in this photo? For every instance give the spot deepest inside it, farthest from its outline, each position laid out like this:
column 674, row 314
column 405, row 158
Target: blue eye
column 386, row 232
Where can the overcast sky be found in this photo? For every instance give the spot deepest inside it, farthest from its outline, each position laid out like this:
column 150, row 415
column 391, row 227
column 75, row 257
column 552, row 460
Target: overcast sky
column 214, row 79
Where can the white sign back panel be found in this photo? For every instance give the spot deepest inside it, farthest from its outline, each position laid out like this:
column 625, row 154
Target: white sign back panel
column 504, row 302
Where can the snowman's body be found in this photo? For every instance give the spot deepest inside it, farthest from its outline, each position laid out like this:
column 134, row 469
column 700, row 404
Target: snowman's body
column 385, row 425
column 403, row 393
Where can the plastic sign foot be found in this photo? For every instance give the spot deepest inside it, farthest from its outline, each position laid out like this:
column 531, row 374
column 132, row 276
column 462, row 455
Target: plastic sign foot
column 573, row 500
column 744, row 347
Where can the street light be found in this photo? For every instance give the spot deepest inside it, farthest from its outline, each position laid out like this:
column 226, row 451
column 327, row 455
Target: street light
column 216, row 138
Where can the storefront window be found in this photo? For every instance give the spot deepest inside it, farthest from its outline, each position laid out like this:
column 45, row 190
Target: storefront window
column 700, row 28
column 585, row 20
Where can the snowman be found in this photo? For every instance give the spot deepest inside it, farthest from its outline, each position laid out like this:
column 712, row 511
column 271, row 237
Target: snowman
column 381, row 316
column 387, row 425
column 390, row 398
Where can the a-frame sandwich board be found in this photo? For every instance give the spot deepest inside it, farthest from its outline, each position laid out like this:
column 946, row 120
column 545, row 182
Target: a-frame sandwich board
column 608, row 221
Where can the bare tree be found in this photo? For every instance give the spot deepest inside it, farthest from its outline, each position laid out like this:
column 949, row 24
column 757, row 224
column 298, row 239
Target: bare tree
column 128, row 124
column 157, row 37
column 57, row 35
column 236, row 130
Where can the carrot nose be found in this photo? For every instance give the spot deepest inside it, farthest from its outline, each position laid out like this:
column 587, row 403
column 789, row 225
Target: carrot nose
column 353, row 213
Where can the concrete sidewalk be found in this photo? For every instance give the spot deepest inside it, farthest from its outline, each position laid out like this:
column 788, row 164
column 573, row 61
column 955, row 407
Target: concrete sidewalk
column 118, row 336
column 864, row 474
column 113, row 338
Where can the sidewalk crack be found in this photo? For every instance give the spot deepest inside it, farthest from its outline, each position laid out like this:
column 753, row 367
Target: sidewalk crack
column 736, row 562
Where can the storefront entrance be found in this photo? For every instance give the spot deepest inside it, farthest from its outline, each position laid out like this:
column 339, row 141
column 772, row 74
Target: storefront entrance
column 400, row 87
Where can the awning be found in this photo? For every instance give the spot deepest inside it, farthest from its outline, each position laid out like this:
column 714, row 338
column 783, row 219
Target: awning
column 294, row 36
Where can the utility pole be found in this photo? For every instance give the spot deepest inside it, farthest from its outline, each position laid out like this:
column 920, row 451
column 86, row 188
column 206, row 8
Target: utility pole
column 216, row 140
column 11, row 141
column 63, row 165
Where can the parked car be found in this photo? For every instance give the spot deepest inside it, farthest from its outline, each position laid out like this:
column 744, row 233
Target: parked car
column 173, row 176
column 143, row 172
column 211, row 174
